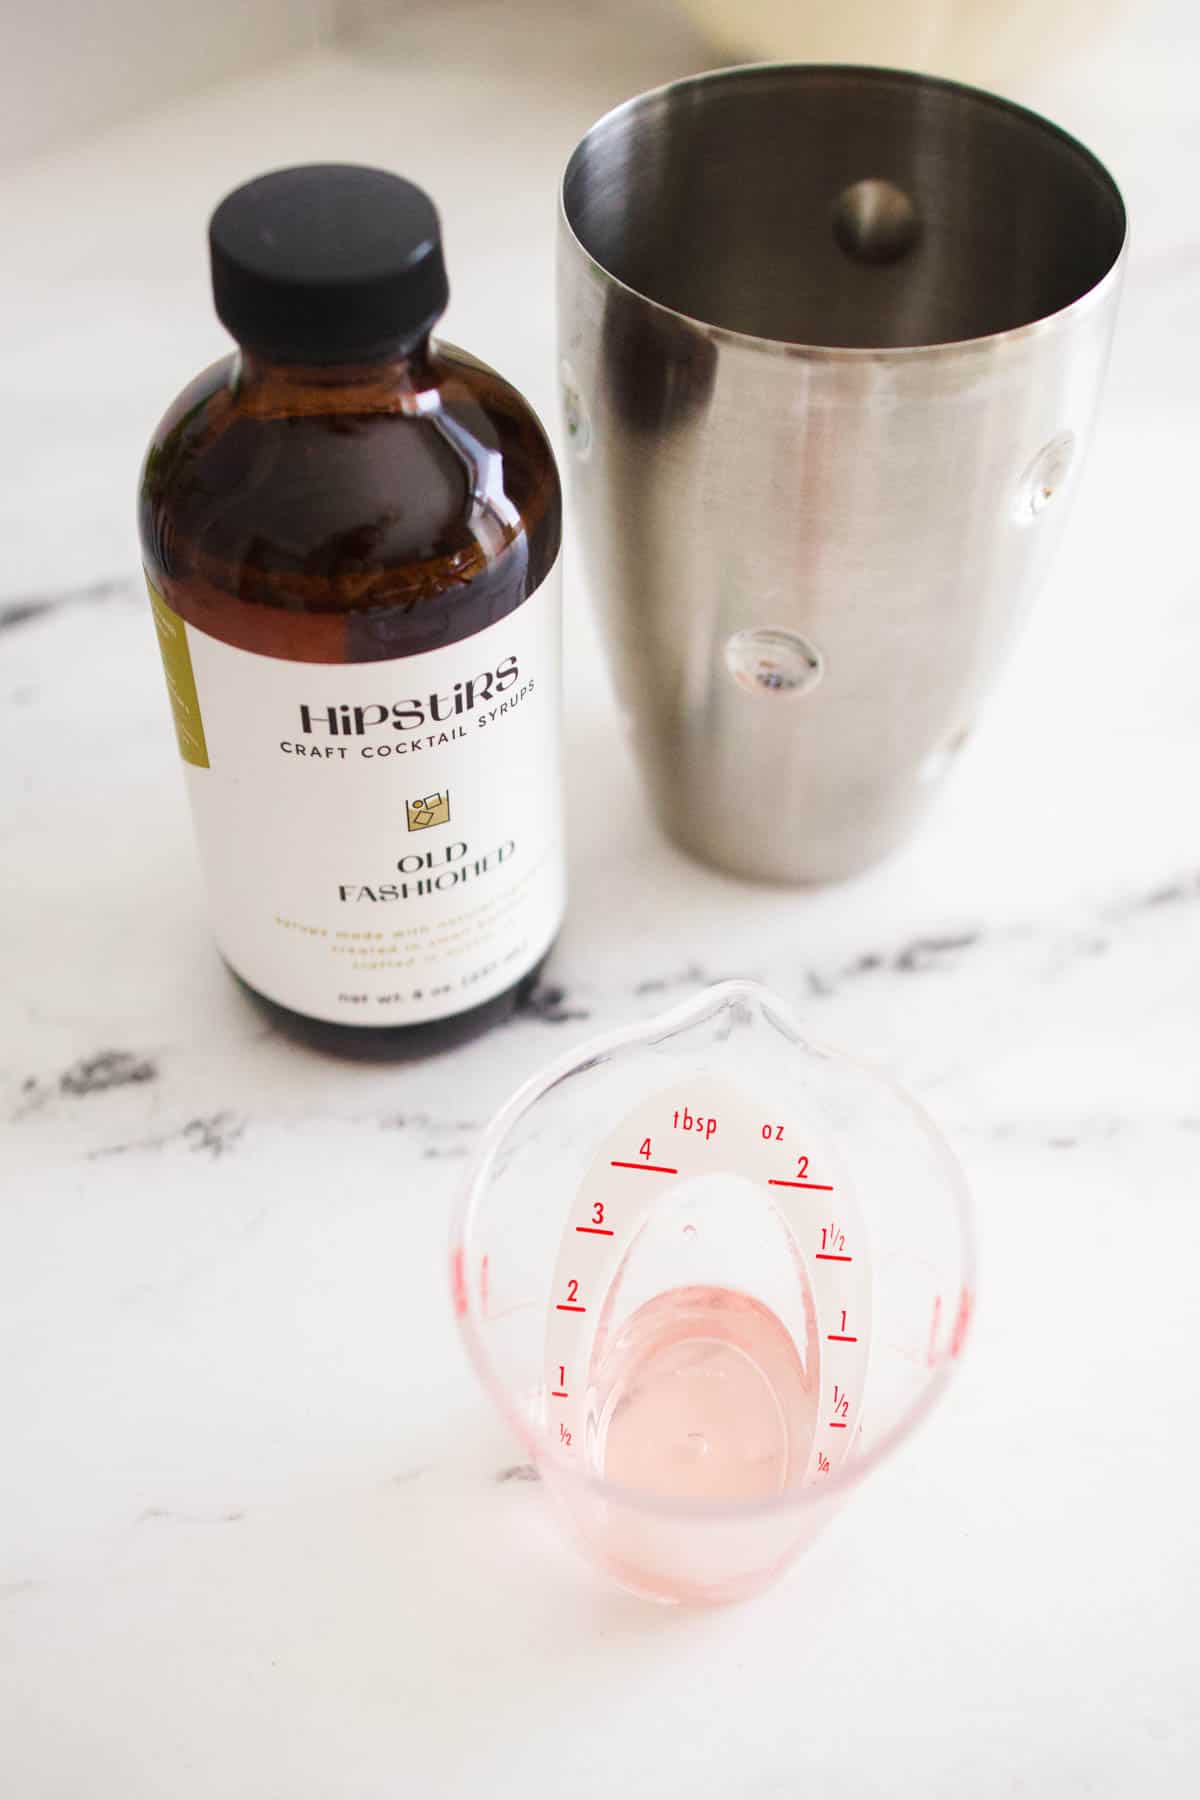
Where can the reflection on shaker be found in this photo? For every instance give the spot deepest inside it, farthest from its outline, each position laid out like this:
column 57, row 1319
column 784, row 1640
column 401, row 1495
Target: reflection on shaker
column 1045, row 477
column 576, row 418
column 659, row 369
column 767, row 661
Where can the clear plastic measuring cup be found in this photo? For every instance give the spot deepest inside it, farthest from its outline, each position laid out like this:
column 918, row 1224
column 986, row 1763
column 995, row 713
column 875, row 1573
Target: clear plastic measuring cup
column 711, row 1274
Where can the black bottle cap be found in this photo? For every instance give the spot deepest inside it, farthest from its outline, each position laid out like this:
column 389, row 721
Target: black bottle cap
column 327, row 263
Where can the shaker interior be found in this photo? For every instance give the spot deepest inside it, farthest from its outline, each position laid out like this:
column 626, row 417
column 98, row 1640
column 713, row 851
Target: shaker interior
column 855, row 208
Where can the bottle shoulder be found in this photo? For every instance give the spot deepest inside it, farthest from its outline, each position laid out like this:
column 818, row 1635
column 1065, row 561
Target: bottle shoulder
column 343, row 522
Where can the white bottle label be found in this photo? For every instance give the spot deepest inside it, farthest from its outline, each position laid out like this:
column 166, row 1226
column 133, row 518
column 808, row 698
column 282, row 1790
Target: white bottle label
column 382, row 841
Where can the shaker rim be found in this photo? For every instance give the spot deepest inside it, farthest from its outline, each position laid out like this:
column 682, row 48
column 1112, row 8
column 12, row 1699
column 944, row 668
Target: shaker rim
column 862, row 354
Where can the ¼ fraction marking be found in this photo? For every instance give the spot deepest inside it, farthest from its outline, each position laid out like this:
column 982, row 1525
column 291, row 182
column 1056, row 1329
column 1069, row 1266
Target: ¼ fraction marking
column 828, row 1256
column 595, row 1230
column 651, row 1168
column 562, row 1307
column 836, row 1337
column 816, row 1187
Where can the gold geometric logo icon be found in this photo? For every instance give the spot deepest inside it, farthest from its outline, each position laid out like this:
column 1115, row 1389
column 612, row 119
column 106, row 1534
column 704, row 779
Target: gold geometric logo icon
column 434, row 809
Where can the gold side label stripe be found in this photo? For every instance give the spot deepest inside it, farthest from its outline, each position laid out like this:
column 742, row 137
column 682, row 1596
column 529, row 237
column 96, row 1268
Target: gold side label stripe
column 181, row 680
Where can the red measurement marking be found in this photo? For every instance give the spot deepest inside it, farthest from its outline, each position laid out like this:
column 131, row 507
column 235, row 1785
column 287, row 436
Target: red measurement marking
column 828, row 1256
column 458, row 1280
column 595, row 1230
column 836, row 1337
column 561, row 1307
column 654, row 1168
column 818, row 1187
column 822, row 1463
column 837, row 1424
column 961, row 1323
column 559, row 1394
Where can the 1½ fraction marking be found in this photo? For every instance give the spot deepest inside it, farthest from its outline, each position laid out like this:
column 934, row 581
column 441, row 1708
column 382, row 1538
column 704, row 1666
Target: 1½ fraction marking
column 833, row 1244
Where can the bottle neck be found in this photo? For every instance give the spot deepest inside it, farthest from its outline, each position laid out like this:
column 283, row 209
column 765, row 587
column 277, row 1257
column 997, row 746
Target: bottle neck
column 405, row 383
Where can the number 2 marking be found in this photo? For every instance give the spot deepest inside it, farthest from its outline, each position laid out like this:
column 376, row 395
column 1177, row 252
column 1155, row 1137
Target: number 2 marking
column 802, row 1167
column 572, row 1303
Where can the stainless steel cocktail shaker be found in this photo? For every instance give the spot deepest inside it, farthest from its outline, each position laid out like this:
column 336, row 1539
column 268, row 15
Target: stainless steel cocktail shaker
column 832, row 341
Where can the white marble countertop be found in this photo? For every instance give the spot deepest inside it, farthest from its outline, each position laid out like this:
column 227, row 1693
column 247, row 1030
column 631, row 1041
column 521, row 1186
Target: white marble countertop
column 259, row 1534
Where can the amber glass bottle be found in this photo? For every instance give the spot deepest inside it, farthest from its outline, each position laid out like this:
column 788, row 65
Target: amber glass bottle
column 350, row 535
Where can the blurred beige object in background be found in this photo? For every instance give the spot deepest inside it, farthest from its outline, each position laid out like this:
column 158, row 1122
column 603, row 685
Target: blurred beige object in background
column 989, row 42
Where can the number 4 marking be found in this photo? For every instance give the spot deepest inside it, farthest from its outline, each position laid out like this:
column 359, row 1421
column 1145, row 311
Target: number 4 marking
column 645, row 1149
